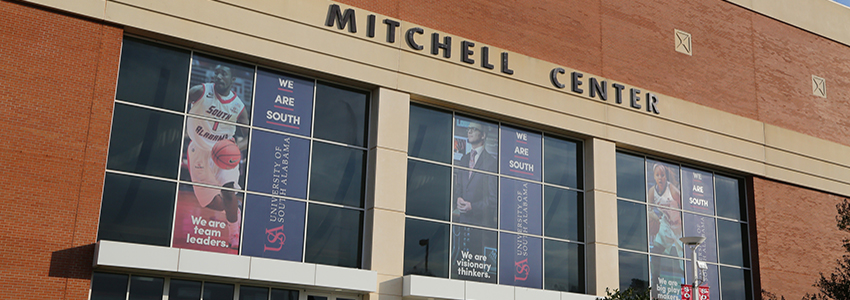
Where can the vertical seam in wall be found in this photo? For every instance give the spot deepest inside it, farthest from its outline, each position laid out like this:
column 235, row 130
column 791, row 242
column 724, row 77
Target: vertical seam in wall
column 601, row 54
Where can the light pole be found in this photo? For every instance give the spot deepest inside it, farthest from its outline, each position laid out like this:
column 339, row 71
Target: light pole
column 693, row 242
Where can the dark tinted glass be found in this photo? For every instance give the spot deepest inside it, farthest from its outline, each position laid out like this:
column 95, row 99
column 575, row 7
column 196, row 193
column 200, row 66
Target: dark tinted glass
column 184, row 290
column 136, row 210
column 631, row 225
column 145, row 141
column 278, row 294
column 218, row 291
column 733, row 242
column 428, row 190
column 729, row 198
column 337, row 174
column 341, row 114
column 426, row 248
column 253, row 293
column 562, row 161
column 666, row 276
column 735, row 284
column 311, row 297
column 146, row 288
column 333, row 236
column 105, row 286
column 564, row 268
column 430, row 134
column 634, row 271
column 563, row 214
column 153, row 74
column 631, row 183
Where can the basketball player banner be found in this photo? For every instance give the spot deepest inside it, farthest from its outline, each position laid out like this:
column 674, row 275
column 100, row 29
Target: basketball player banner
column 687, row 291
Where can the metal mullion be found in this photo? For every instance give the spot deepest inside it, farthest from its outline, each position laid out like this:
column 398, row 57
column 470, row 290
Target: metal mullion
column 309, row 173
column 145, row 106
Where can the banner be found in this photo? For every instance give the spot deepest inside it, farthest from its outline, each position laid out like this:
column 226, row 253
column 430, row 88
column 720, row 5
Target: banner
column 521, row 154
column 274, row 228
column 521, row 206
column 278, row 164
column 663, row 218
column 475, row 255
column 687, row 292
column 283, row 102
column 697, row 225
column 697, row 191
column 199, row 227
column 522, row 261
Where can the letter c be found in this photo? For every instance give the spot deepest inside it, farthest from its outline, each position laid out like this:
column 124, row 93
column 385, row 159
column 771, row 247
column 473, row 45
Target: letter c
column 554, row 77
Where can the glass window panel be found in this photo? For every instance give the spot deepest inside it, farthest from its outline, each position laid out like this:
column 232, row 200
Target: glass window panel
column 253, row 293
column 663, row 186
column 428, row 190
column 735, row 284
column 311, row 297
column 107, row 286
column 630, row 177
column 631, row 225
column 563, row 214
column 697, row 191
column 430, row 134
column 729, row 198
column 426, row 248
column 634, row 271
column 209, row 156
column 153, row 74
column 333, row 236
column 733, row 242
column 564, row 269
column 521, row 153
column 218, row 291
column 145, row 141
column 475, row 199
column 136, row 210
column 665, row 230
column 708, row 277
column 475, row 254
column 341, row 114
column 562, row 162
column 479, row 136
column 279, row 294
column 667, row 276
column 221, row 89
column 146, row 288
column 184, row 290
column 698, row 225
column 337, row 174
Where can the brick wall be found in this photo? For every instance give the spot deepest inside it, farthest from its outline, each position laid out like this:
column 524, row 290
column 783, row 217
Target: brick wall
column 743, row 63
column 57, row 82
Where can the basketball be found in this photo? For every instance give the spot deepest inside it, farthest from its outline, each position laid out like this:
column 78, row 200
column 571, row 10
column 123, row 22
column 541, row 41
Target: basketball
column 226, row 154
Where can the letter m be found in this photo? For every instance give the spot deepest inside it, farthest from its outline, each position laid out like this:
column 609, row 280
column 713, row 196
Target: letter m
column 336, row 16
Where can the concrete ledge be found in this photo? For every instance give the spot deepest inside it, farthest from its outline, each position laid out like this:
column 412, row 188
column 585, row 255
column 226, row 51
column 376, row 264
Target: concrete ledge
column 424, row 287
column 129, row 256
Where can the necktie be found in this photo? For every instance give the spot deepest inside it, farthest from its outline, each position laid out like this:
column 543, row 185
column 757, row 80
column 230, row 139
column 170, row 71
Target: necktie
column 472, row 161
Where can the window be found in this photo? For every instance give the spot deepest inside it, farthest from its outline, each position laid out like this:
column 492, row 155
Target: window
column 660, row 202
column 493, row 203
column 212, row 154
column 108, row 286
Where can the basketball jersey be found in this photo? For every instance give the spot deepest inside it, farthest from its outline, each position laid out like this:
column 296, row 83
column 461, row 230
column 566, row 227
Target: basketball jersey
column 665, row 199
column 205, row 133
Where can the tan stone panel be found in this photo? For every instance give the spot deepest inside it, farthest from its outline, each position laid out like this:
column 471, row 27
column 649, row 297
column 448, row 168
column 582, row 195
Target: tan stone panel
column 253, row 23
column 389, row 188
column 601, row 169
column 603, row 269
column 272, row 50
column 376, row 296
column 792, row 141
column 685, row 134
column 390, row 284
column 392, row 111
column 805, row 165
column 602, row 217
column 89, row 8
column 680, row 150
column 710, row 119
column 387, row 256
column 809, row 181
column 825, row 18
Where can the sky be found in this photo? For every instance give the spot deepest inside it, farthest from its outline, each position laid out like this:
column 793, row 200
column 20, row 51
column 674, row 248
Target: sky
column 844, row 2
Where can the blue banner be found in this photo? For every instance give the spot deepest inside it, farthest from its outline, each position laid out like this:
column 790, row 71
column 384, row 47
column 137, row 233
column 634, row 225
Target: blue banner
column 278, row 164
column 521, row 261
column 521, row 206
column 283, row 102
column 696, row 225
column 697, row 191
column 521, row 154
column 274, row 228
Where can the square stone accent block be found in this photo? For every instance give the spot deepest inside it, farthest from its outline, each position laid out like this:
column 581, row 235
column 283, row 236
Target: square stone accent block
column 683, row 42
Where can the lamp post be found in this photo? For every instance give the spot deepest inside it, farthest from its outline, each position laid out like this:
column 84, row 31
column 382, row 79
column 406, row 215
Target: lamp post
column 693, row 242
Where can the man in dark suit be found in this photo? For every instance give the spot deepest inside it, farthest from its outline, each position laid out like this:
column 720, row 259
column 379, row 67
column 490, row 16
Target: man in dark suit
column 476, row 193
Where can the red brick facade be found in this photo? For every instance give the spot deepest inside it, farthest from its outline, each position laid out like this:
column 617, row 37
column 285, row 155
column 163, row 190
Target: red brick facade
column 58, row 76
